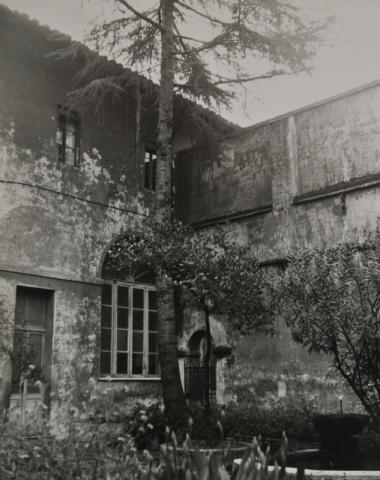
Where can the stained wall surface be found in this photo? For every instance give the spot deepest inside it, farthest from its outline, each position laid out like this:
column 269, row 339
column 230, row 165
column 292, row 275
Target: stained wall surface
column 58, row 220
column 310, row 178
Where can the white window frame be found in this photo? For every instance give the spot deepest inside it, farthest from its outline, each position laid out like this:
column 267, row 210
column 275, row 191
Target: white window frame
column 113, row 374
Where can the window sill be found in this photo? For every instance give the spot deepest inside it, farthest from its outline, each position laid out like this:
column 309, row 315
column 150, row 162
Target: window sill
column 129, row 379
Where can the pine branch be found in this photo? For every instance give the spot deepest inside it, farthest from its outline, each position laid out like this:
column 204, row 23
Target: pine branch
column 191, row 39
column 180, row 38
column 204, row 15
column 238, row 80
column 272, row 74
column 140, row 15
column 205, row 45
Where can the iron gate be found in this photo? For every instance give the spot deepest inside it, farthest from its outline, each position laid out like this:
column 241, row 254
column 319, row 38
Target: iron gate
column 195, row 381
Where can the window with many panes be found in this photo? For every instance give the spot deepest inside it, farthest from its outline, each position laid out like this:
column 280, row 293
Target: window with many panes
column 150, row 165
column 68, row 136
column 128, row 340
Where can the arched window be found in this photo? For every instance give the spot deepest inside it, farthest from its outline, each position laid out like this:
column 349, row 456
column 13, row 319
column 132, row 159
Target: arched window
column 128, row 340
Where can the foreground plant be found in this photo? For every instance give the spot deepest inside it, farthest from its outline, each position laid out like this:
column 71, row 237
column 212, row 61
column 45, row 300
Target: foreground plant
column 99, row 454
column 186, row 462
column 330, row 299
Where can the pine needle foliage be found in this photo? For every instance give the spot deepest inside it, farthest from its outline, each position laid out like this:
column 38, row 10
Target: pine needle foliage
column 218, row 44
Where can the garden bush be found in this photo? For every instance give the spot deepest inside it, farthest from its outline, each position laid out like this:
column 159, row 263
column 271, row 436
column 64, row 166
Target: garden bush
column 101, row 441
column 240, row 421
column 244, row 420
column 85, row 453
column 88, row 453
column 147, row 426
column 329, row 298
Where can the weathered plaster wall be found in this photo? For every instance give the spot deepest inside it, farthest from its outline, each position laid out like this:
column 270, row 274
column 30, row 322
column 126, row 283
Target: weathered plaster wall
column 309, row 178
column 319, row 174
column 208, row 189
column 56, row 220
column 55, row 217
column 338, row 141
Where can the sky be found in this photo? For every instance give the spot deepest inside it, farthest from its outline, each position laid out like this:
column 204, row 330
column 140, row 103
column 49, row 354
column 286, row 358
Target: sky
column 351, row 57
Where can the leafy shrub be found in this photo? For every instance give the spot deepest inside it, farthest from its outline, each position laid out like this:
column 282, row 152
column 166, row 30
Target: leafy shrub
column 370, row 437
column 147, row 426
column 89, row 453
column 85, row 453
column 248, row 419
column 329, row 299
column 241, row 422
column 206, row 426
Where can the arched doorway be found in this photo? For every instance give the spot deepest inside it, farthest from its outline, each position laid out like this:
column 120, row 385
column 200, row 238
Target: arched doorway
column 195, row 370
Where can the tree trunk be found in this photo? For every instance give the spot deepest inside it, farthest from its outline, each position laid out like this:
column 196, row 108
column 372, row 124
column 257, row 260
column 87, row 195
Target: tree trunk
column 174, row 399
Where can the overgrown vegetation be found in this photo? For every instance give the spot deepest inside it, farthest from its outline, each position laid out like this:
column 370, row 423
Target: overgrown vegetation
column 330, row 299
column 102, row 453
column 293, row 416
column 233, row 422
column 207, row 271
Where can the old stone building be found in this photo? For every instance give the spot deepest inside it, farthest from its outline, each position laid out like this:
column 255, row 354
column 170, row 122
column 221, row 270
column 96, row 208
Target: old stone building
column 307, row 178
column 73, row 183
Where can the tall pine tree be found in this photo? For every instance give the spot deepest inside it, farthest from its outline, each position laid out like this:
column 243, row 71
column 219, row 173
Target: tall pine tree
column 203, row 49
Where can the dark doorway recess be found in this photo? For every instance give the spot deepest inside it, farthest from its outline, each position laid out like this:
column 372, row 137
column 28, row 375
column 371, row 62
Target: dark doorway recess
column 195, row 371
column 32, row 345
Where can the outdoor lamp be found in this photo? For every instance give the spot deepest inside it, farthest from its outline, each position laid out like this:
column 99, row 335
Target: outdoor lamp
column 209, row 303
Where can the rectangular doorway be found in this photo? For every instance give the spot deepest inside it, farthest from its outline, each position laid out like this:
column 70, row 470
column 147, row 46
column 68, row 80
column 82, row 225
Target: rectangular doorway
column 32, row 347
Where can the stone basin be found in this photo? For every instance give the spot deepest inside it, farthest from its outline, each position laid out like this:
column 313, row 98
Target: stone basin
column 339, row 425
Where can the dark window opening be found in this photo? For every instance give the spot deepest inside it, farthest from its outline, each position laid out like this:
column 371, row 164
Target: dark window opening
column 68, row 136
column 150, row 165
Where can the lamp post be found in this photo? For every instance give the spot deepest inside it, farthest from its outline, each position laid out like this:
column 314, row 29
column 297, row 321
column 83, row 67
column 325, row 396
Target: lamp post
column 208, row 305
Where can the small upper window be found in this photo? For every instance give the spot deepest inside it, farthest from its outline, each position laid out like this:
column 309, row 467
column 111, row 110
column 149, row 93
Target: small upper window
column 68, row 136
column 150, row 162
